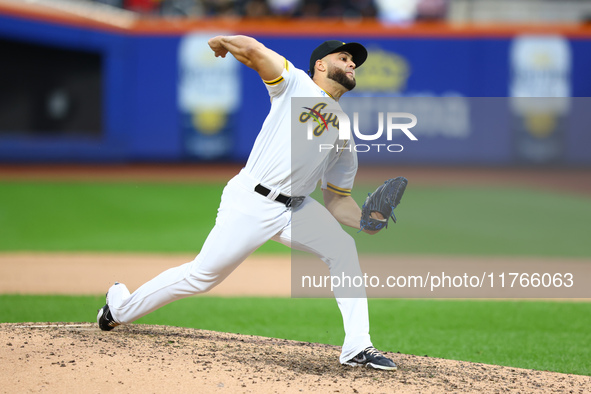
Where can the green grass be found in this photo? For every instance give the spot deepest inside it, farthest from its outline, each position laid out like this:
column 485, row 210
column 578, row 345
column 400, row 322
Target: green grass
column 56, row 216
column 61, row 216
column 486, row 221
column 538, row 335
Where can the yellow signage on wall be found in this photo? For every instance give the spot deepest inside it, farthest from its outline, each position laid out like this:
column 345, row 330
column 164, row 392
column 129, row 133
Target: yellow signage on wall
column 383, row 71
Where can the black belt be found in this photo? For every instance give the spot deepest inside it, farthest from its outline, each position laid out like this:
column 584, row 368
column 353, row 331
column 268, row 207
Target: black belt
column 289, row 202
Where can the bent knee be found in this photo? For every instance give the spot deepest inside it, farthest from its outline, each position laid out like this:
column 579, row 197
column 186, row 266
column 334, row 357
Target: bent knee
column 342, row 247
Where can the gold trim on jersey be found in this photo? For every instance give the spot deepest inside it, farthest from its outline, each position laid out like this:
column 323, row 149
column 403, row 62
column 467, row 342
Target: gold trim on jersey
column 338, row 190
column 279, row 79
column 275, row 81
column 329, row 95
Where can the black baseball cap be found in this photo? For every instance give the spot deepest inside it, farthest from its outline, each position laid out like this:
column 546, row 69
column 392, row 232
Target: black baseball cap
column 356, row 50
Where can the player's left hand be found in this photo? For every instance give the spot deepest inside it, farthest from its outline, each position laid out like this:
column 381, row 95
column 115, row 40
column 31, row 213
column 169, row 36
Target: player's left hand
column 379, row 205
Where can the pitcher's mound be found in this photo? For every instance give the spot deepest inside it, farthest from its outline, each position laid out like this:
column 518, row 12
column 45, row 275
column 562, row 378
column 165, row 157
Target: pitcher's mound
column 78, row 357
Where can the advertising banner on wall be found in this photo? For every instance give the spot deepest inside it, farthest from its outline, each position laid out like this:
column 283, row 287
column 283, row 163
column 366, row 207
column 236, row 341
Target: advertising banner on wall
column 540, row 68
column 209, row 94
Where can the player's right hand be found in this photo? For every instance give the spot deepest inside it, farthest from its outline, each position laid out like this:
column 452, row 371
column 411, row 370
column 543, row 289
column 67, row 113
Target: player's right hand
column 216, row 46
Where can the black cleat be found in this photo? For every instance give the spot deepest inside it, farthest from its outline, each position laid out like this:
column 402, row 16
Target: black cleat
column 105, row 319
column 371, row 357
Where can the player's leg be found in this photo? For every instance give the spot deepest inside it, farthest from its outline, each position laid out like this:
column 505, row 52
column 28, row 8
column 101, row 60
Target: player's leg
column 244, row 222
column 313, row 229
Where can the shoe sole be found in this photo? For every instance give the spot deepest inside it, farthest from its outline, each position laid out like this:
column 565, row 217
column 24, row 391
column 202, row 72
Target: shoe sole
column 102, row 311
column 371, row 365
column 382, row 367
column 99, row 315
column 108, row 326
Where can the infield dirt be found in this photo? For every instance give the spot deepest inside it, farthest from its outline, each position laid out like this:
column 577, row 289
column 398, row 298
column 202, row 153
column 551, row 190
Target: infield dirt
column 154, row 359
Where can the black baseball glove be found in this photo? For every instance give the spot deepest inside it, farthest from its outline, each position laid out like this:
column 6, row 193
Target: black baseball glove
column 383, row 200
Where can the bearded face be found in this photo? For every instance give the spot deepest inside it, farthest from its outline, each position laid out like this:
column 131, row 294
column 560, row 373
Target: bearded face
column 340, row 76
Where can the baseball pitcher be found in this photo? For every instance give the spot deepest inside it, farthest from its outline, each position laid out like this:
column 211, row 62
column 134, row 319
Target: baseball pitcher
column 257, row 204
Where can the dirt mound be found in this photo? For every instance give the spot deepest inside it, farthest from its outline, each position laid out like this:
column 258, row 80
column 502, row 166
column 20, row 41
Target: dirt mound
column 60, row 357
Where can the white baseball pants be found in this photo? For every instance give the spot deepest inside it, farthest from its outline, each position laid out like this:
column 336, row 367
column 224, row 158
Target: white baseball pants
column 244, row 222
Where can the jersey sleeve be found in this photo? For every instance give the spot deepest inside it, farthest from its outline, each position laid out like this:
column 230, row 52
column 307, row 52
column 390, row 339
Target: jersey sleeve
column 278, row 85
column 339, row 178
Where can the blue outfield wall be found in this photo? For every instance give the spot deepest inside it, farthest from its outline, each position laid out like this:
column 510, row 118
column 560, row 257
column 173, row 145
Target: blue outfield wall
column 146, row 118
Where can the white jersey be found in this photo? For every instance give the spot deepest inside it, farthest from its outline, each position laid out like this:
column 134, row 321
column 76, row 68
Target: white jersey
column 271, row 161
